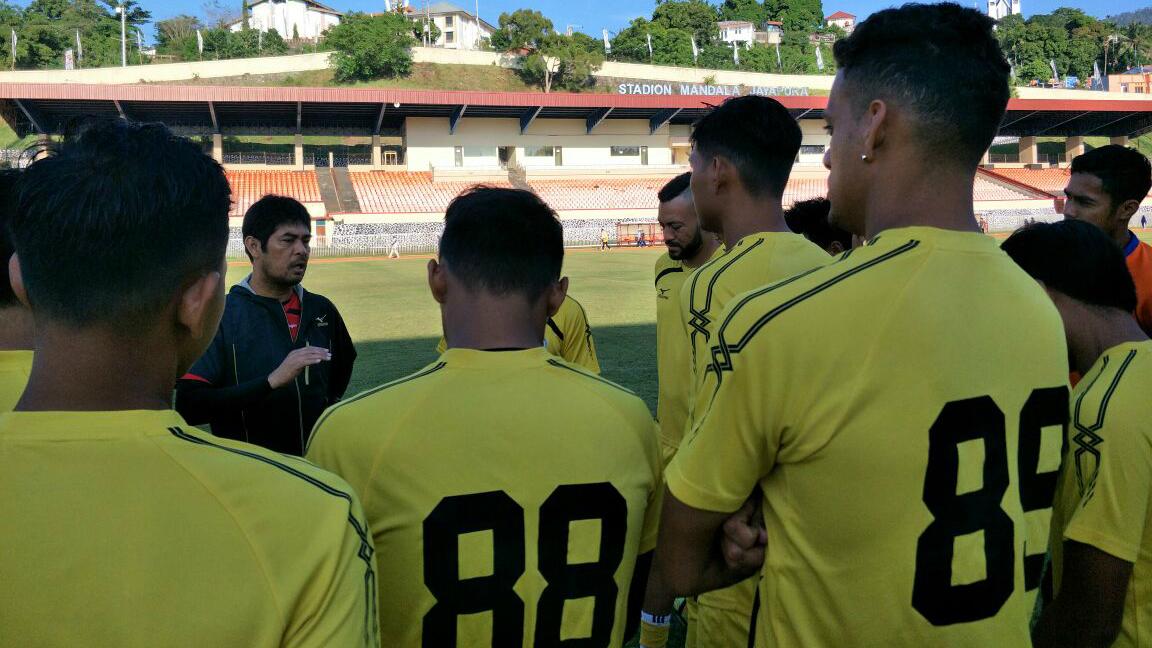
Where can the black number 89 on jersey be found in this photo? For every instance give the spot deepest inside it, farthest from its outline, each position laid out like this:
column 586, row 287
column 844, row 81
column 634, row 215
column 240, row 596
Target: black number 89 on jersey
column 495, row 511
column 958, row 514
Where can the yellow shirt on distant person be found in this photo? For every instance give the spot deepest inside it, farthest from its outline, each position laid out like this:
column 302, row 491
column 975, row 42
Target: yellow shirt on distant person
column 15, row 367
column 1105, row 495
column 509, row 494
column 567, row 336
column 901, row 412
column 132, row 528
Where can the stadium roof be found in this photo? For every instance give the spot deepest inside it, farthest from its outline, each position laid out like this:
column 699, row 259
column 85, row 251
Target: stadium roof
column 48, row 108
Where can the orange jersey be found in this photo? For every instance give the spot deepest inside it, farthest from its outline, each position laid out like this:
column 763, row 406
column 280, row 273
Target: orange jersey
column 1139, row 257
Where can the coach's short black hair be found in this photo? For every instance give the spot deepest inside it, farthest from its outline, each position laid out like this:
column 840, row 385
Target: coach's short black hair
column 941, row 62
column 115, row 220
column 675, row 187
column 502, row 241
column 758, row 135
column 9, row 179
column 269, row 213
column 809, row 218
column 1075, row 258
column 1124, row 172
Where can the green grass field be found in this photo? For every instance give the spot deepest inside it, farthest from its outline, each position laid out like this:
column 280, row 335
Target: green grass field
column 396, row 324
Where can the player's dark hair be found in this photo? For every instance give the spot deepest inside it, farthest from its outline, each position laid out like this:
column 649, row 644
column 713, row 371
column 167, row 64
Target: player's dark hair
column 1125, row 173
column 115, row 219
column 269, row 213
column 9, row 179
column 809, row 218
column 502, row 241
column 675, row 187
column 756, row 134
column 1075, row 258
column 942, row 63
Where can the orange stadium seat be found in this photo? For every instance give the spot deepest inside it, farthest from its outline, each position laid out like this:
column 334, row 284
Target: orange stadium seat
column 1050, row 181
column 250, row 186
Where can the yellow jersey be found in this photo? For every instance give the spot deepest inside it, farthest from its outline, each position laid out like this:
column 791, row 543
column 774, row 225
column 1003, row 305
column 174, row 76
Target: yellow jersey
column 15, row 366
column 567, row 335
column 509, row 494
column 673, row 368
column 902, row 411
column 1105, row 494
column 132, row 528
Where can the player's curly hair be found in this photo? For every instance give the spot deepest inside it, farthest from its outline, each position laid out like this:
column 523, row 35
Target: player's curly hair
column 943, row 63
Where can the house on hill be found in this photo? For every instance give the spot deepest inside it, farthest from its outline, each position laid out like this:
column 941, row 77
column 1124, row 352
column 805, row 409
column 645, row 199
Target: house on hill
column 843, row 20
column 459, row 29
column 303, row 19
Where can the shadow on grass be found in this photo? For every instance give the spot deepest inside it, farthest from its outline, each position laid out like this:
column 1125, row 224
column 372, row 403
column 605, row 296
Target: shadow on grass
column 627, row 356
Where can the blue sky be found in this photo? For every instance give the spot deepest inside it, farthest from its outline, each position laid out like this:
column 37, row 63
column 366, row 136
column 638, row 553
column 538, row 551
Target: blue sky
column 592, row 16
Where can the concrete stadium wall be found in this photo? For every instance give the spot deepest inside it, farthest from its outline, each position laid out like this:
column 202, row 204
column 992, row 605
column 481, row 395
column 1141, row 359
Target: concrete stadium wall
column 172, row 71
column 616, row 70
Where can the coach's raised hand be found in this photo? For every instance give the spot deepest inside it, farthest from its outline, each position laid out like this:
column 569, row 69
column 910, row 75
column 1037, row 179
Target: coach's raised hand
column 295, row 363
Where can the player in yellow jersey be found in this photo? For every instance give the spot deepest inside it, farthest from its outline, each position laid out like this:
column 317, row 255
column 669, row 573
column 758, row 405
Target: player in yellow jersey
column 809, row 218
column 567, row 335
column 121, row 525
column 689, row 247
column 1102, row 517
column 905, row 493
column 742, row 154
column 509, row 492
column 16, row 329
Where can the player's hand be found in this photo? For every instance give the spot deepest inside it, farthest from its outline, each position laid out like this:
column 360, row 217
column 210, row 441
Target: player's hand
column 745, row 538
column 295, row 363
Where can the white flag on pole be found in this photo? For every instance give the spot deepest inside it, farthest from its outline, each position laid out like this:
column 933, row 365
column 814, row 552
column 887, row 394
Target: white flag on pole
column 79, row 47
column 649, row 45
column 819, row 58
column 1055, row 74
column 695, row 49
column 14, row 39
column 260, row 40
column 779, row 63
column 139, row 41
column 199, row 42
column 607, row 44
column 735, row 53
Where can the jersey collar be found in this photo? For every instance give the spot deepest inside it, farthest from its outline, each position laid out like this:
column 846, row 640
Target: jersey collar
column 476, row 359
column 88, row 426
column 1133, row 243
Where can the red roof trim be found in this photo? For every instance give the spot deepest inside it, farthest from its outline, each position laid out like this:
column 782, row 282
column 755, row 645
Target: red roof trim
column 238, row 94
column 840, row 15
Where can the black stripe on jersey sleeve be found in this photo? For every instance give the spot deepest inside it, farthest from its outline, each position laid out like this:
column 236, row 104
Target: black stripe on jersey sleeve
column 1086, row 438
column 667, row 271
column 365, row 551
column 555, row 329
column 700, row 320
column 578, row 372
column 722, row 352
column 430, row 370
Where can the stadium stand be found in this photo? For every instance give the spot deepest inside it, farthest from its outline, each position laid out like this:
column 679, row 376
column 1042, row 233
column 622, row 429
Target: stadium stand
column 381, row 192
column 250, row 186
column 990, row 188
column 1050, row 181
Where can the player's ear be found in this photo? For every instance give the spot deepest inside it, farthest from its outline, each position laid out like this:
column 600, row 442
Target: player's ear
column 16, row 279
column 1127, row 210
column 437, row 281
column 200, row 305
column 556, row 295
column 876, row 122
column 252, row 245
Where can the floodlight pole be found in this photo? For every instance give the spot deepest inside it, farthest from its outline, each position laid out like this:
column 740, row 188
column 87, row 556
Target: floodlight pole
column 123, row 35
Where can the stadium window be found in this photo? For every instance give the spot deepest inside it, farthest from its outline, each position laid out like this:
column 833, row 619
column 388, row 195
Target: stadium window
column 448, row 21
column 459, row 156
column 449, row 37
column 625, row 151
column 539, row 151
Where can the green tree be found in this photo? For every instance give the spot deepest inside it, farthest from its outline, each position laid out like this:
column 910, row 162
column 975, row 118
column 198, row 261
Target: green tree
column 797, row 15
column 173, row 33
column 695, row 17
column 521, row 29
column 753, row 11
column 369, row 47
column 669, row 46
column 565, row 62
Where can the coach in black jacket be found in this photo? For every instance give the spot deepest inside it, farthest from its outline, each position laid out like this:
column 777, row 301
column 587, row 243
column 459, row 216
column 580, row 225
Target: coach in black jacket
column 282, row 354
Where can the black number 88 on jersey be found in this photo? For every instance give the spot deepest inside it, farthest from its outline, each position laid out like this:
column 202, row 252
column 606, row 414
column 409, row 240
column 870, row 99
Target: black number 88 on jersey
column 495, row 511
column 957, row 514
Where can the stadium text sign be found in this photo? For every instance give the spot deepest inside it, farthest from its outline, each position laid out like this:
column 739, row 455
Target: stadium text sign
column 708, row 90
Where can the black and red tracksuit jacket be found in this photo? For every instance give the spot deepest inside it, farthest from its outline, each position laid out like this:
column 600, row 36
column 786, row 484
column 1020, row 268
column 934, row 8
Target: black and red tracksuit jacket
column 228, row 387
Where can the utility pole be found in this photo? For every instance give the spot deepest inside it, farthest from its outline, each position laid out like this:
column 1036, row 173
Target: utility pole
column 123, row 35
